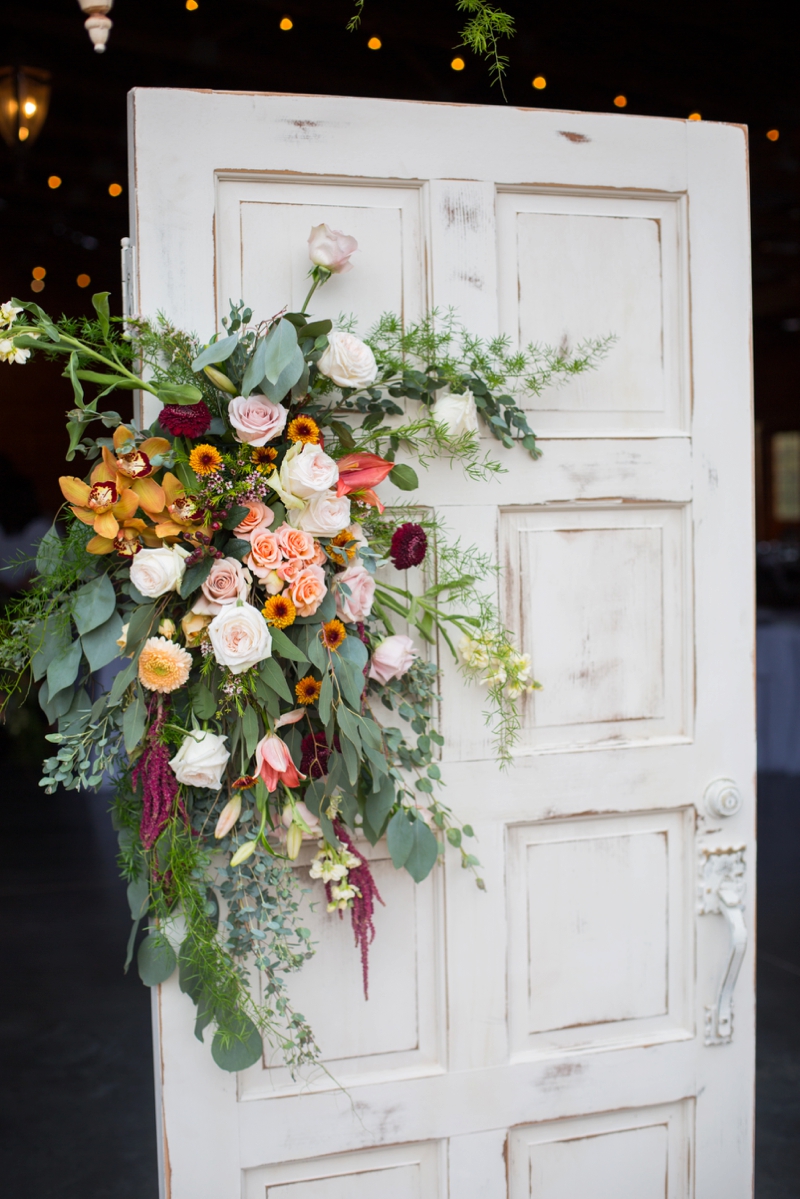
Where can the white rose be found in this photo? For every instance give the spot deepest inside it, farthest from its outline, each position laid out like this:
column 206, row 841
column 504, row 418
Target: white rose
column 457, row 413
column 348, row 361
column 392, row 658
column 325, row 515
column 240, row 637
column 155, row 572
column 329, row 248
column 201, row 760
column 306, row 470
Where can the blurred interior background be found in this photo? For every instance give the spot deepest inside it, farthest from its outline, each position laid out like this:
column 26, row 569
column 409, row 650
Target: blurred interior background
column 75, row 1037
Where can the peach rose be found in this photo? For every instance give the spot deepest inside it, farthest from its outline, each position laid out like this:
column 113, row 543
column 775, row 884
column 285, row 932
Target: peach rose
column 361, row 585
column 255, row 419
column 295, row 543
column 291, row 569
column 258, row 518
column 307, row 591
column 265, row 553
column 227, row 582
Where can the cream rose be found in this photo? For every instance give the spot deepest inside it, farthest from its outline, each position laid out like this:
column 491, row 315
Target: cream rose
column 258, row 518
column 256, row 419
column 305, row 471
column 265, row 554
column 348, row 361
column 308, row 589
column 155, row 572
column 361, row 585
column 240, row 637
column 226, row 583
column 457, row 413
column 329, row 248
column 324, row 515
column 201, row 760
column 392, row 658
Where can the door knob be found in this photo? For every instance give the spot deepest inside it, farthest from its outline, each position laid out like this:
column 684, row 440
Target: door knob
column 722, row 798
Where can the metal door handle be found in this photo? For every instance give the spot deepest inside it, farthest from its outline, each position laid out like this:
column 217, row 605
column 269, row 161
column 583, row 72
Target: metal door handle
column 721, row 892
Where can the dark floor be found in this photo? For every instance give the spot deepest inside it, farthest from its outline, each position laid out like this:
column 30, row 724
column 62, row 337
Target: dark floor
column 75, row 1032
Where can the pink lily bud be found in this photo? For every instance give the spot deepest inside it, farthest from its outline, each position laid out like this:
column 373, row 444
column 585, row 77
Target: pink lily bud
column 228, row 816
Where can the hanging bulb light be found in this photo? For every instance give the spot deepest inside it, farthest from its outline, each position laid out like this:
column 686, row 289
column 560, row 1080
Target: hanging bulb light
column 97, row 23
column 24, row 100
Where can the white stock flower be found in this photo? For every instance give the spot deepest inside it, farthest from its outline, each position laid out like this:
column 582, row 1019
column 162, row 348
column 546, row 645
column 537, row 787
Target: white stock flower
column 155, row 572
column 348, row 361
column 8, row 314
column 201, row 760
column 10, row 353
column 325, row 514
column 240, row 637
column 457, row 413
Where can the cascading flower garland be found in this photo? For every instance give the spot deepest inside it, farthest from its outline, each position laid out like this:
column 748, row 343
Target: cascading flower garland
column 212, row 628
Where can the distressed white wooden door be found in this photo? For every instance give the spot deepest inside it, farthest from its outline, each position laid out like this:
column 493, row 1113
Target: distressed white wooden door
column 569, row 1033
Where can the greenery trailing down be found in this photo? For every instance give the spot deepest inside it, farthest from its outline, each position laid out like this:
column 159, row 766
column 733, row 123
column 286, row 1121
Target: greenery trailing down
column 272, row 683
column 485, row 26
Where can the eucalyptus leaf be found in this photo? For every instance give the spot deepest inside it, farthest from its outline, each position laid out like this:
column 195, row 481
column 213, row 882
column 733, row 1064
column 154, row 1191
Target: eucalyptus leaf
column 283, row 645
column 134, row 721
column 325, row 699
column 204, row 705
column 379, row 804
column 139, row 626
column 237, row 1048
column 100, row 646
column 399, row 838
column 56, row 707
column 424, row 851
column 280, row 349
column 404, row 477
column 49, row 552
column 250, row 730
column 63, row 670
column 354, row 649
column 317, row 652
column 138, row 898
column 218, row 351
column 350, row 755
column 273, row 676
column 122, row 682
column 156, row 959
column 93, row 603
column 254, row 372
column 46, row 642
column 351, row 680
column 287, row 378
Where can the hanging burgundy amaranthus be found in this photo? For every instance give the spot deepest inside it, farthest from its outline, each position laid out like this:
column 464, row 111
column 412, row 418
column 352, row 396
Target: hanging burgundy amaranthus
column 363, row 909
column 159, row 785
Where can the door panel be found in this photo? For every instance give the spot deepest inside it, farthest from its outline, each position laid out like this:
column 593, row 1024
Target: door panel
column 548, row 1037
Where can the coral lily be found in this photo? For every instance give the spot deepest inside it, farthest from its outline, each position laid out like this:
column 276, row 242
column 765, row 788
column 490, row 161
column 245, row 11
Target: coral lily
column 360, row 473
column 275, row 763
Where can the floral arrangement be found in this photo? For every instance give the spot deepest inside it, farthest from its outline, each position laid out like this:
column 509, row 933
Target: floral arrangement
column 213, row 629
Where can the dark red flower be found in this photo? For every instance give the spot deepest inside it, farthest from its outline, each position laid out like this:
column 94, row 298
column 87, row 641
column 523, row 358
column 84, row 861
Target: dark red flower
column 189, row 420
column 315, row 753
column 409, row 546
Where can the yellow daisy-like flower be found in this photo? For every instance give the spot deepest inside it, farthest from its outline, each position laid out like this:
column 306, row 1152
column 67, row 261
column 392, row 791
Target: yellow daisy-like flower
column 163, row 665
column 304, row 429
column 204, row 459
column 263, row 458
column 307, row 690
column 333, row 634
column 340, row 556
column 279, row 611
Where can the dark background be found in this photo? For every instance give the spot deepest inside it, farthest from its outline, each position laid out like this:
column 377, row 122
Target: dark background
column 75, row 1031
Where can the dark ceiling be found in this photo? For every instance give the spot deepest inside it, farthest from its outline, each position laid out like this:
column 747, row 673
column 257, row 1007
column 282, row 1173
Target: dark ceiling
column 728, row 61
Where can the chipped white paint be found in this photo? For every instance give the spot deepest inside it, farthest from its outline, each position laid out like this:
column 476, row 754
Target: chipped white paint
column 506, row 1024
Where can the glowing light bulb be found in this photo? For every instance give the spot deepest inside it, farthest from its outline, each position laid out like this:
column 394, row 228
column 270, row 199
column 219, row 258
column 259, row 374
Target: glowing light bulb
column 83, row 280
column 115, row 189
column 287, row 23
column 539, row 82
column 23, row 134
column 54, row 181
column 374, row 43
column 621, row 101
column 773, row 134
column 695, row 116
column 192, row 5
column 458, row 64
column 29, row 108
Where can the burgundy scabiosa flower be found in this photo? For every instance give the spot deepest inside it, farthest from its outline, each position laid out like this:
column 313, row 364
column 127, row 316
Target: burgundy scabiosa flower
column 315, row 753
column 409, row 546
column 185, row 420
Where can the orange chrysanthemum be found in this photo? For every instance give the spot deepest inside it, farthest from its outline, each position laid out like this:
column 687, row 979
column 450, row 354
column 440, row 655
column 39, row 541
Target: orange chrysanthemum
column 307, row 690
column 163, row 665
column 333, row 634
column 204, row 459
column 263, row 458
column 303, row 429
column 279, row 611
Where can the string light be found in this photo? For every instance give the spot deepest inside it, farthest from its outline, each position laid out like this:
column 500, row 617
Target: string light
column 38, row 272
column 192, row 5
column 115, row 189
column 23, row 134
column 54, row 181
column 621, row 101
column 37, row 285
column 539, row 82
column 83, row 280
column 287, row 23
column 773, row 134
column 458, row 64
column 695, row 116
column 374, row 43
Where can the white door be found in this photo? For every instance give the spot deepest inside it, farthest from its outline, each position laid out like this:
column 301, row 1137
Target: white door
column 568, row 1033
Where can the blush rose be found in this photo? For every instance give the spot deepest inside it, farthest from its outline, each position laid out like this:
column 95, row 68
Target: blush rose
column 392, row 658
column 226, row 583
column 361, row 585
column 256, row 419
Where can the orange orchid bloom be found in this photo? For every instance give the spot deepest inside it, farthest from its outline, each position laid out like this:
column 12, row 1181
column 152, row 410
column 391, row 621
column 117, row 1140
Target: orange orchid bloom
column 101, row 503
column 151, row 495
